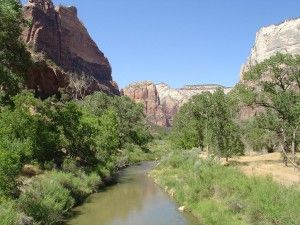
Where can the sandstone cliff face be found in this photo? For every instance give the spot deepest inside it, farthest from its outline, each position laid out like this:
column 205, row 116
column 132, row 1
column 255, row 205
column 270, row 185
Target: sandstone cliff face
column 58, row 34
column 283, row 38
column 146, row 93
column 161, row 102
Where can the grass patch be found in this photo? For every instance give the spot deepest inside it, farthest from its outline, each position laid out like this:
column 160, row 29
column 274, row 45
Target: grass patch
column 223, row 195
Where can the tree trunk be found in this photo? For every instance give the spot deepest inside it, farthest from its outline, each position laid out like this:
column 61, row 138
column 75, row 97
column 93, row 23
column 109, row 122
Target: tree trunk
column 294, row 145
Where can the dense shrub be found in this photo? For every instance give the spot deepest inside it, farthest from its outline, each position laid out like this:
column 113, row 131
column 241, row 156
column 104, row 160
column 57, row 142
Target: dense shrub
column 46, row 201
column 80, row 185
column 10, row 167
column 8, row 213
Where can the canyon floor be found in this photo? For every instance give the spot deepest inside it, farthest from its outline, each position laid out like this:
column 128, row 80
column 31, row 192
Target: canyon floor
column 268, row 165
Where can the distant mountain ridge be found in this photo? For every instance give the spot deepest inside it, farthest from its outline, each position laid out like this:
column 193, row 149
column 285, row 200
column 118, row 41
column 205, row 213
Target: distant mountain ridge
column 161, row 102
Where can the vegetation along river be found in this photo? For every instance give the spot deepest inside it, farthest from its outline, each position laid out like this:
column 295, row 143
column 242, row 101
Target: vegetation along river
column 134, row 200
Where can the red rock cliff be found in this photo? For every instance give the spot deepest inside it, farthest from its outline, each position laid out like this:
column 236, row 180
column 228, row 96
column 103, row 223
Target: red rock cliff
column 161, row 102
column 146, row 93
column 58, row 34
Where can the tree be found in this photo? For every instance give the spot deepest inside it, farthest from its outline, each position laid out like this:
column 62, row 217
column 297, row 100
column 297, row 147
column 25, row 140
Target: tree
column 225, row 131
column 207, row 120
column 79, row 85
column 14, row 58
column 29, row 122
column 276, row 88
column 10, row 167
column 75, row 134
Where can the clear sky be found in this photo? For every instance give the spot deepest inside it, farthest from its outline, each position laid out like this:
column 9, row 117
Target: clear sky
column 179, row 41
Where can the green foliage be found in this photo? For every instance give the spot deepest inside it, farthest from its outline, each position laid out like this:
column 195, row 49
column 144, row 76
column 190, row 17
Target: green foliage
column 276, row 88
column 223, row 195
column 207, row 120
column 258, row 137
column 9, row 214
column 117, row 120
column 10, row 167
column 80, row 185
column 29, row 123
column 14, row 58
column 46, row 201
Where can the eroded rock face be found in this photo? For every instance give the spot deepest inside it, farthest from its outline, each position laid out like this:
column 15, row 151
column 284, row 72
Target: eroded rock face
column 161, row 102
column 283, row 38
column 146, row 93
column 58, row 34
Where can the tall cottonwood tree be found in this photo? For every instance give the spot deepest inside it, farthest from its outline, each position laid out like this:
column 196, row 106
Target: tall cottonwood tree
column 275, row 86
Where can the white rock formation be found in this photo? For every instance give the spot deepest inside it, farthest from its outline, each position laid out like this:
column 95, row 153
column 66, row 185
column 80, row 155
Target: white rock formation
column 283, row 38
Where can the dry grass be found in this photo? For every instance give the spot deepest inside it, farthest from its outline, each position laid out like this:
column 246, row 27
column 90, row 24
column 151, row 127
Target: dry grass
column 268, row 165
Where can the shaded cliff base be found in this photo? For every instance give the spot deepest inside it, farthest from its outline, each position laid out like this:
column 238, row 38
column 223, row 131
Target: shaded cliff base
column 47, row 79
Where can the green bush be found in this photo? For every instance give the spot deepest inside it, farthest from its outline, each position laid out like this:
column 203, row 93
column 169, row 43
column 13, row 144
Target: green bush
column 46, row 201
column 80, row 185
column 10, row 167
column 8, row 213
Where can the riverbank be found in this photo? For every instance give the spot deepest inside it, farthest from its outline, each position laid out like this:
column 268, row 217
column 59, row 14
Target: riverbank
column 220, row 195
column 134, row 200
column 48, row 196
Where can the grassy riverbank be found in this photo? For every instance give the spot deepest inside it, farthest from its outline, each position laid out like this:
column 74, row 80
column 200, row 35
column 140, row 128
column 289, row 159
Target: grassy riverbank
column 49, row 196
column 220, row 195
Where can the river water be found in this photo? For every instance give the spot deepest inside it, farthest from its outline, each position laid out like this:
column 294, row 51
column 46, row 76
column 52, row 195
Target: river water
column 134, row 200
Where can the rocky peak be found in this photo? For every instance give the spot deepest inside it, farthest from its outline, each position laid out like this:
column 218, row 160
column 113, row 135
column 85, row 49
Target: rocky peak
column 146, row 93
column 46, row 6
column 283, row 38
column 59, row 35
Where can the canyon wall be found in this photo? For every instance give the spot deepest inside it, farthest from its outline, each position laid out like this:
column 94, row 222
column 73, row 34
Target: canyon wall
column 283, row 38
column 57, row 36
column 161, row 102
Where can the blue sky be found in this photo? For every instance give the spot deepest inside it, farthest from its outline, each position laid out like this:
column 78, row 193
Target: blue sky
column 179, row 41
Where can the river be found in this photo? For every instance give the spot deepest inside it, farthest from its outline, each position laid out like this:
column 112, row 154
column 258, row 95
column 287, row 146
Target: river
column 134, row 200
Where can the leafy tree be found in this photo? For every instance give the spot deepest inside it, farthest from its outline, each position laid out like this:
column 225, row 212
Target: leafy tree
column 276, row 88
column 107, row 137
column 10, row 167
column 14, row 58
column 29, row 123
column 132, row 123
column 225, row 131
column 258, row 137
column 75, row 134
column 132, row 127
column 207, row 120
column 184, row 134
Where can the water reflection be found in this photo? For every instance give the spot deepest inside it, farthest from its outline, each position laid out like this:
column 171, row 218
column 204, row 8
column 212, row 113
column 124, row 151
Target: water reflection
column 135, row 200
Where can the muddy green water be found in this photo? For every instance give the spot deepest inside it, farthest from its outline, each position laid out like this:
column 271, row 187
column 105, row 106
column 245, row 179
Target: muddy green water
column 134, row 200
